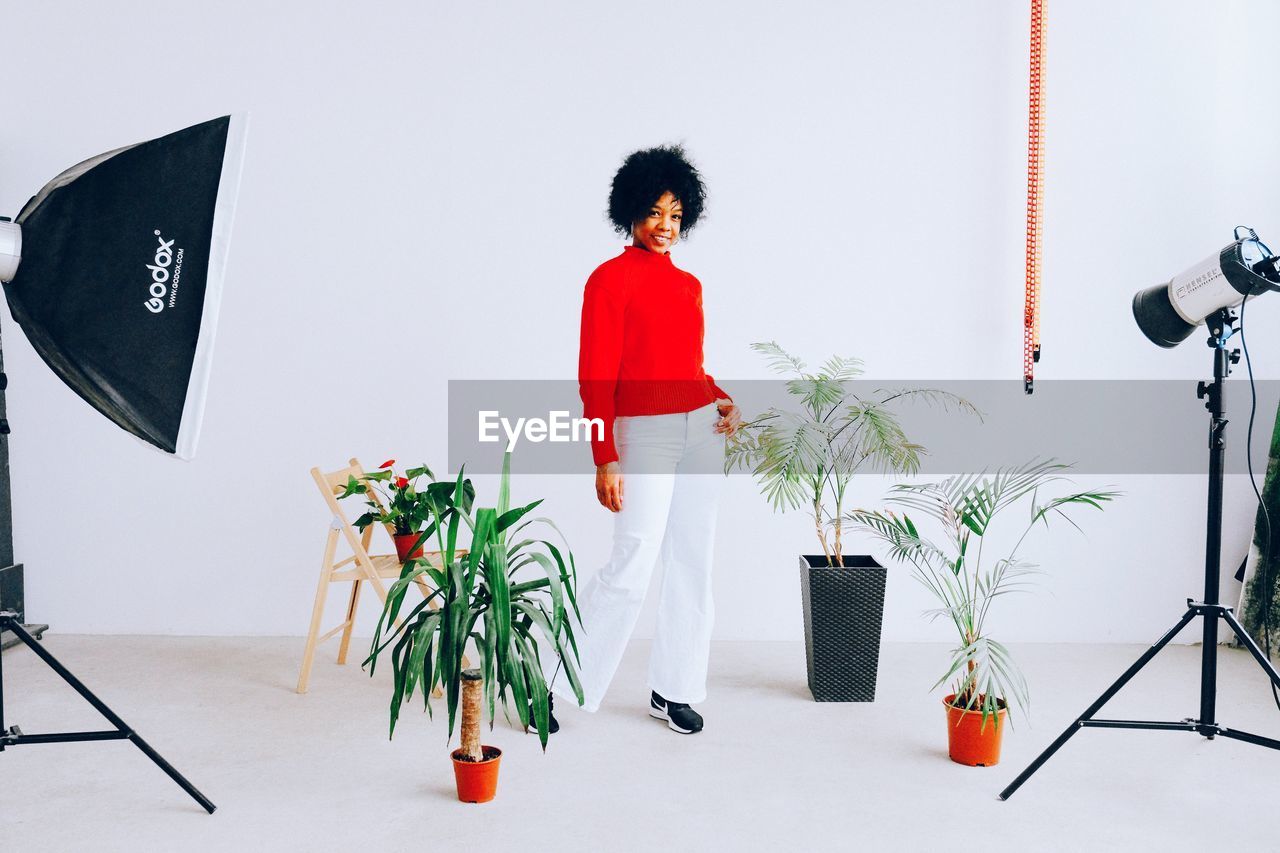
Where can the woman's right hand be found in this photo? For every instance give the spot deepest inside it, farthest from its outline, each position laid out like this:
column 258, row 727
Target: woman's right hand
column 609, row 486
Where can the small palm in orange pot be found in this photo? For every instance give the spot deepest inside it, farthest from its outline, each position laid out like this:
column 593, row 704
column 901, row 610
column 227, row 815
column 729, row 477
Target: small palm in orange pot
column 974, row 737
column 985, row 679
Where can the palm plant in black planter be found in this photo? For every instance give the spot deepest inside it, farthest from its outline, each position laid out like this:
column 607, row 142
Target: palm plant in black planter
column 807, row 457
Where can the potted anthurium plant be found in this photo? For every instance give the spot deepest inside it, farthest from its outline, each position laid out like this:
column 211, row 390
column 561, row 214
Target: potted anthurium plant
column 510, row 594
column 984, row 677
column 394, row 500
column 806, row 457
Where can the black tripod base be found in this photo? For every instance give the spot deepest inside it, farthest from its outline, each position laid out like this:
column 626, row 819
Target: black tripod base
column 1205, row 727
column 8, row 639
column 1206, row 730
column 13, row 736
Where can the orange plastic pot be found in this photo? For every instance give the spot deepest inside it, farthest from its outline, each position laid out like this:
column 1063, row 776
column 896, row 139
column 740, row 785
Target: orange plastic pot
column 971, row 742
column 477, row 780
column 404, row 541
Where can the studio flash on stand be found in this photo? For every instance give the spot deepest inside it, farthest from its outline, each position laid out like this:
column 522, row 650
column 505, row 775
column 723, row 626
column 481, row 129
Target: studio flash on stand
column 1205, row 294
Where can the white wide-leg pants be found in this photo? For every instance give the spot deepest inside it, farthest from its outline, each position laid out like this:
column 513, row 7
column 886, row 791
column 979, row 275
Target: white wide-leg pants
column 673, row 470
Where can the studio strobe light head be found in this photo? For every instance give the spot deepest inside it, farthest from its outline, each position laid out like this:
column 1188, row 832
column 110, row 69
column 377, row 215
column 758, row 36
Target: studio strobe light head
column 10, row 248
column 1168, row 313
column 114, row 270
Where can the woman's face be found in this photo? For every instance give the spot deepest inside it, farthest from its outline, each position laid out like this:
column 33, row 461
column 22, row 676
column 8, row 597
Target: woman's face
column 660, row 230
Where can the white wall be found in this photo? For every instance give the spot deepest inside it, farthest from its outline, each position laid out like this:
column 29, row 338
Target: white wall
column 423, row 199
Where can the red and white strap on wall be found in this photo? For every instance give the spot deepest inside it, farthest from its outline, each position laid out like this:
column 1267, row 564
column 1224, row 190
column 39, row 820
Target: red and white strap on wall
column 1035, row 198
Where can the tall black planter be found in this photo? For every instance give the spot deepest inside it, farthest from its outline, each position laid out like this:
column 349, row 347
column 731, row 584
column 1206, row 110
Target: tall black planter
column 843, row 612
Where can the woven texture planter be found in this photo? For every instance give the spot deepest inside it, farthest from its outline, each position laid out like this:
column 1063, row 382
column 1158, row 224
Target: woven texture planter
column 843, row 612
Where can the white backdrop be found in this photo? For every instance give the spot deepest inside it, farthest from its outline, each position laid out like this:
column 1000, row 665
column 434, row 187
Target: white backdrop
column 423, row 199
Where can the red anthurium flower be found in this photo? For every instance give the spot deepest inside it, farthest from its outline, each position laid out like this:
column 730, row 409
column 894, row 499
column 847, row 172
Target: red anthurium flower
column 388, row 463
column 401, row 482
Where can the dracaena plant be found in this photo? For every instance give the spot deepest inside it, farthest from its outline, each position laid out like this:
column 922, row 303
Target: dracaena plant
column 402, row 505
column 807, row 456
column 510, row 594
column 965, row 580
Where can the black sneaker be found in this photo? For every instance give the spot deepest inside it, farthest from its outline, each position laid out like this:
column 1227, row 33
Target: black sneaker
column 552, row 725
column 679, row 716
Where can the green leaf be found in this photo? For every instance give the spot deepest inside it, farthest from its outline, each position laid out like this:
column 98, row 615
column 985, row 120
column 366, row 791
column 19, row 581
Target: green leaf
column 490, row 654
column 353, row 487
column 556, row 589
column 529, row 586
column 398, row 678
column 480, row 538
column 510, row 517
column 779, row 360
column 537, row 687
column 453, row 639
column 386, row 618
column 841, row 369
column 513, row 675
column 504, row 485
column 495, row 578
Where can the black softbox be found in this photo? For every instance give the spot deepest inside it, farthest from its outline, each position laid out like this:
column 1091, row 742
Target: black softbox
column 117, row 268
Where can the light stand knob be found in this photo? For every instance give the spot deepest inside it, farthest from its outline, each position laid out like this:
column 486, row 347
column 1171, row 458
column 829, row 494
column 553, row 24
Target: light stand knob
column 4, row 384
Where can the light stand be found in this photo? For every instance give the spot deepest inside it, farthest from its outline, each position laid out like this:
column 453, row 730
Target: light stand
column 1209, row 609
column 11, row 581
column 13, row 736
column 11, row 623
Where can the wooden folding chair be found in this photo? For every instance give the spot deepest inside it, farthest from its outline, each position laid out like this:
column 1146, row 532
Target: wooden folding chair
column 358, row 568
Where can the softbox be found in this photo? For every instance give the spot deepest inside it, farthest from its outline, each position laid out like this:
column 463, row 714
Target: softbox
column 117, row 268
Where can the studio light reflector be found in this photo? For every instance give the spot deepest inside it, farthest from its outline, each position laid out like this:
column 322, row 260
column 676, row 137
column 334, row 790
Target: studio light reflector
column 1168, row 313
column 114, row 271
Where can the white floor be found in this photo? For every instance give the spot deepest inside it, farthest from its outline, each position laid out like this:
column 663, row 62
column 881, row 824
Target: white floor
column 773, row 770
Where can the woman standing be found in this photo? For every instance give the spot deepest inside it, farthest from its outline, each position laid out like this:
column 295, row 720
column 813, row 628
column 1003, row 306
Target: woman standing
column 659, row 463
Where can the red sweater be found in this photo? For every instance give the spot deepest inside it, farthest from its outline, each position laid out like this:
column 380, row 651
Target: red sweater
column 641, row 352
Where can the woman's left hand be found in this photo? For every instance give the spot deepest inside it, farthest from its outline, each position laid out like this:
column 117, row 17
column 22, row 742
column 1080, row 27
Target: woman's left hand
column 730, row 417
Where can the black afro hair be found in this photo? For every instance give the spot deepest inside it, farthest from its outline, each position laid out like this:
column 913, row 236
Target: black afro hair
column 643, row 178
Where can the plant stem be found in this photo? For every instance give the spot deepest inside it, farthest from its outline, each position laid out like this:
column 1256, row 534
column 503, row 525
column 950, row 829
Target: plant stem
column 472, row 682
column 838, row 522
column 817, row 523
column 975, row 569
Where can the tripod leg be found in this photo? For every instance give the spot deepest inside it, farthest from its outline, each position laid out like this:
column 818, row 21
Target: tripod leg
column 1249, row 644
column 4, row 623
column 1097, row 705
column 111, row 716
